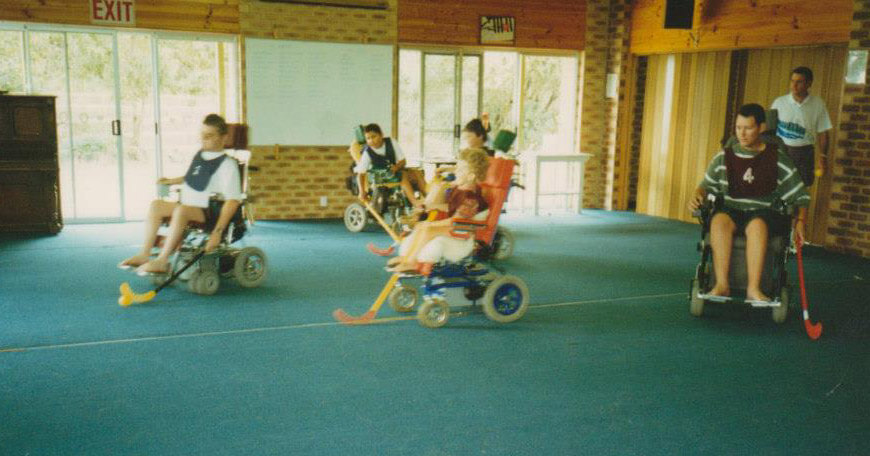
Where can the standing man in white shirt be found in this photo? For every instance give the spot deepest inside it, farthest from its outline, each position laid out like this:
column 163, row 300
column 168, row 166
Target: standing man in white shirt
column 211, row 171
column 803, row 125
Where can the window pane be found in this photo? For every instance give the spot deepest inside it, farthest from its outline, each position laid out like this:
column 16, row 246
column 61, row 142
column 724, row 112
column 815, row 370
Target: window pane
column 11, row 61
column 439, row 103
column 92, row 102
column 470, row 88
column 499, row 87
column 856, row 71
column 439, row 145
column 189, row 90
column 137, row 120
column 48, row 73
column 549, row 105
column 231, row 100
column 409, row 102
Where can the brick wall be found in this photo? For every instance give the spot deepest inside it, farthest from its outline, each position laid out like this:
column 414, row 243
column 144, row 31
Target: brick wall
column 594, row 107
column 317, row 23
column 617, row 63
column 606, row 32
column 849, row 216
column 291, row 180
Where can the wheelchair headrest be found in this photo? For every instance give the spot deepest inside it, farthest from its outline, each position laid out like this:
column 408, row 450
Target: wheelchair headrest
column 499, row 173
column 771, row 118
column 243, row 156
column 495, row 191
column 237, row 137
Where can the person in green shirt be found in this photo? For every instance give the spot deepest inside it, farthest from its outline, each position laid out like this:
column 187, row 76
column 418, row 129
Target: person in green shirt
column 751, row 175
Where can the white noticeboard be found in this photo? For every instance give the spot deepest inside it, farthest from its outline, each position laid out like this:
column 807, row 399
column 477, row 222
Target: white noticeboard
column 313, row 94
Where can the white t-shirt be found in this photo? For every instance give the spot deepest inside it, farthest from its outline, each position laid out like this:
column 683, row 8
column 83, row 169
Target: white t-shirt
column 225, row 180
column 365, row 162
column 799, row 123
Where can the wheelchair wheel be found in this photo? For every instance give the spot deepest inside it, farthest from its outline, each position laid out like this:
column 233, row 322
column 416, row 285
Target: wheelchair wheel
column 204, row 282
column 696, row 304
column 503, row 244
column 506, row 299
column 355, row 217
column 433, row 313
column 208, row 282
column 193, row 282
column 250, row 266
column 781, row 313
column 403, row 299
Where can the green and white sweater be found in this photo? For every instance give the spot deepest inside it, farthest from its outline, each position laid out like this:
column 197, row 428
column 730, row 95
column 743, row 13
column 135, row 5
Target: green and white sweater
column 790, row 188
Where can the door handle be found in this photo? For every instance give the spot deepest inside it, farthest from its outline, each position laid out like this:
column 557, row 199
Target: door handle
column 456, row 131
column 116, row 127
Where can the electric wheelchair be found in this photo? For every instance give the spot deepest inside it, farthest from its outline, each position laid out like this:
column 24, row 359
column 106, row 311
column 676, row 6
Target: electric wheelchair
column 203, row 273
column 503, row 298
column 387, row 199
column 774, row 275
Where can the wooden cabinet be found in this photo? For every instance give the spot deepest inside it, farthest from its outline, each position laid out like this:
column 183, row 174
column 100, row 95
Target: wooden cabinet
column 29, row 185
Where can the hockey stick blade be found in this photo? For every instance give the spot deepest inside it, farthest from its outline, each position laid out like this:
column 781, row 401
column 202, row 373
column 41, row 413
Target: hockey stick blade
column 343, row 317
column 379, row 251
column 814, row 330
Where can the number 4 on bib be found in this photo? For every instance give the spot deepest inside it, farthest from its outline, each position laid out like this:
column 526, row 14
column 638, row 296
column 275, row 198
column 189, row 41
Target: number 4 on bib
column 747, row 176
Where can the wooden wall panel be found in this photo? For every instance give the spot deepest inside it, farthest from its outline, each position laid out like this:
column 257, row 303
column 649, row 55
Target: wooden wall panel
column 723, row 24
column 768, row 73
column 318, row 23
column 675, row 149
column 545, row 24
column 218, row 16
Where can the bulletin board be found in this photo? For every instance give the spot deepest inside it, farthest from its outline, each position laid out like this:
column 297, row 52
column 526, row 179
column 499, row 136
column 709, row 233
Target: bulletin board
column 314, row 93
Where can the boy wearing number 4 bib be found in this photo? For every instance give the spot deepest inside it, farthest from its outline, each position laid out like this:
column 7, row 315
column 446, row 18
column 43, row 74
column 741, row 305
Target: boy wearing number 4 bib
column 752, row 176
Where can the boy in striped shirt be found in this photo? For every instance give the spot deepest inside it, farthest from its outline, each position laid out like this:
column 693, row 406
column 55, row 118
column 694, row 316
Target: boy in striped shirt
column 751, row 175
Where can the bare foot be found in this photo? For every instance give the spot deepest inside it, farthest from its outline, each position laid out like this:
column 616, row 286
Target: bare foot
column 405, row 267
column 720, row 291
column 154, row 267
column 756, row 295
column 134, row 261
column 395, row 260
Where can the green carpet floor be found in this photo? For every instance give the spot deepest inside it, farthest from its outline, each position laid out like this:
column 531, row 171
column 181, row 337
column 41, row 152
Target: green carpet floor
column 607, row 361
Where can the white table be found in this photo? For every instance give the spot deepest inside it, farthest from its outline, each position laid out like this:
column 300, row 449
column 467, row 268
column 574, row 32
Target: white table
column 572, row 158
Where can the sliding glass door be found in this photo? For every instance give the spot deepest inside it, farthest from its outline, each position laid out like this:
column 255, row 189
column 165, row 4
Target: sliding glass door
column 138, row 140
column 48, row 68
column 438, row 93
column 129, row 106
column 439, row 105
column 93, row 111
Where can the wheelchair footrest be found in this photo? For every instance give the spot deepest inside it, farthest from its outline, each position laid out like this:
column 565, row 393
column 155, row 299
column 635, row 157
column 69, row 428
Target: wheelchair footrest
column 752, row 302
column 715, row 298
column 755, row 303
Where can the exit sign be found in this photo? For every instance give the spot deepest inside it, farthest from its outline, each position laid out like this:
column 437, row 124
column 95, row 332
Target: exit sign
column 113, row 12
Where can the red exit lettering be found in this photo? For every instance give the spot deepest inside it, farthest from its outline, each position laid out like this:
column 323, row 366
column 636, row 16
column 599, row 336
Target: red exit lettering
column 113, row 12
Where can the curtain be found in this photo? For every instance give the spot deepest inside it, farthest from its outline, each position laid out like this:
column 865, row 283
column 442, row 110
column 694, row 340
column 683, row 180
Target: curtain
column 685, row 107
